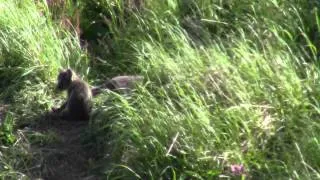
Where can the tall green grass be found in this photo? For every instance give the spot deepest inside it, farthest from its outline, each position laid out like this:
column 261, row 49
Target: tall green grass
column 226, row 82
column 32, row 49
column 216, row 109
column 246, row 94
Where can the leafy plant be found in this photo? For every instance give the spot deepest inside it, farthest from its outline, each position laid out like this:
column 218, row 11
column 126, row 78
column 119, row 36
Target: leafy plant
column 7, row 136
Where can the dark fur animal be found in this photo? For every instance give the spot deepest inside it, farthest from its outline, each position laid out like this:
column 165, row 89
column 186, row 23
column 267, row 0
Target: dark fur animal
column 78, row 104
column 122, row 83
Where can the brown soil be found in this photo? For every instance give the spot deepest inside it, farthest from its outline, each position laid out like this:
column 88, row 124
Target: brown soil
column 64, row 158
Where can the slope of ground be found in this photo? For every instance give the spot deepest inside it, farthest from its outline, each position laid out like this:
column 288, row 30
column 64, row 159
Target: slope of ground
column 65, row 157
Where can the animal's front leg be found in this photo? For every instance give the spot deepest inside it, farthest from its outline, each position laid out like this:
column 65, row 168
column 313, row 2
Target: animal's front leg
column 64, row 114
column 60, row 109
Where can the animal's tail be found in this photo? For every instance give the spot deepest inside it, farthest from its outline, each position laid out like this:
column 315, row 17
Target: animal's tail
column 118, row 82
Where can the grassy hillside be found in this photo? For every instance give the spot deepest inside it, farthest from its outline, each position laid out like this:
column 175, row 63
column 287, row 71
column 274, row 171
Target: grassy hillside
column 226, row 83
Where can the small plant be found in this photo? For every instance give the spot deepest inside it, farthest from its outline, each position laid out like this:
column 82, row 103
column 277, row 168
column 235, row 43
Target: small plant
column 7, row 136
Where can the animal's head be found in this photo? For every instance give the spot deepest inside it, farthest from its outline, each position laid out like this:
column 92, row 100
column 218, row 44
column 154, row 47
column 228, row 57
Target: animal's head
column 64, row 79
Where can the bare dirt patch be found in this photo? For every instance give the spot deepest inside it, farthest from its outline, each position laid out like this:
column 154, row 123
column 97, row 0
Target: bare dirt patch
column 65, row 157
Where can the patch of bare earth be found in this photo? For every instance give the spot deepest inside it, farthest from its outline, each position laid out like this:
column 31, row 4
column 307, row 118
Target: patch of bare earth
column 64, row 158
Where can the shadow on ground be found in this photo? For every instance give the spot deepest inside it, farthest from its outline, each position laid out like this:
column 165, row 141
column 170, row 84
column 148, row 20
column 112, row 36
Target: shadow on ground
column 61, row 155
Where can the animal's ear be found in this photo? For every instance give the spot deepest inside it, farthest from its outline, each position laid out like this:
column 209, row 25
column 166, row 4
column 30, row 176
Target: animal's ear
column 61, row 70
column 69, row 72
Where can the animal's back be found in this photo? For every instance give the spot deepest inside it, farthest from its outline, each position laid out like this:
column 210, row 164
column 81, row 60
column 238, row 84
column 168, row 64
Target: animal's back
column 80, row 99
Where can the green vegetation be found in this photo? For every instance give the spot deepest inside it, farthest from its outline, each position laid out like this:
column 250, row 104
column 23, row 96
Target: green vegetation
column 226, row 83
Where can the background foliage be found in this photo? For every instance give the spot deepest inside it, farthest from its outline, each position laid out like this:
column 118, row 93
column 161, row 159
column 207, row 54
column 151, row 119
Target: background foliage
column 226, row 82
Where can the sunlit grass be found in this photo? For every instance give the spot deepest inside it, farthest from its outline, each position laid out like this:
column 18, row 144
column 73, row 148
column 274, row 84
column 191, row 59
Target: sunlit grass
column 226, row 83
column 32, row 49
column 245, row 98
column 215, row 109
